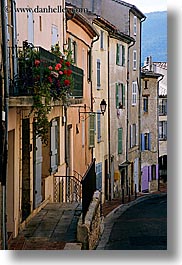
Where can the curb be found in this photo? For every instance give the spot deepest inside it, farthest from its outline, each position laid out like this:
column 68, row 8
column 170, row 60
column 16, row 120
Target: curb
column 134, row 202
column 118, row 211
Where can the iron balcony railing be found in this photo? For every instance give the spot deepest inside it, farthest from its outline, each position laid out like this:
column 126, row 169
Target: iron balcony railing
column 22, row 83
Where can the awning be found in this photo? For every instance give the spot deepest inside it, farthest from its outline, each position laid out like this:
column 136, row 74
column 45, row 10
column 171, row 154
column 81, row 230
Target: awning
column 124, row 164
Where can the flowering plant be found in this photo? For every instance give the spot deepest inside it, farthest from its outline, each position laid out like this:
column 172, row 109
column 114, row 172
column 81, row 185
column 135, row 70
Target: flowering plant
column 48, row 79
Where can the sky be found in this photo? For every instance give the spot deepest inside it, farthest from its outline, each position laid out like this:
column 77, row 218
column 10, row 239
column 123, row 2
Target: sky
column 147, row 6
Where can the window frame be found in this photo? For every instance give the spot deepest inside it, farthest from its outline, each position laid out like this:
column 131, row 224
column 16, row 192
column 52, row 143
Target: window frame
column 135, row 25
column 98, row 74
column 134, row 93
column 134, row 59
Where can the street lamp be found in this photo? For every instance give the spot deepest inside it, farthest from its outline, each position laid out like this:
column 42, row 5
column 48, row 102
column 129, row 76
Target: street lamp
column 103, row 106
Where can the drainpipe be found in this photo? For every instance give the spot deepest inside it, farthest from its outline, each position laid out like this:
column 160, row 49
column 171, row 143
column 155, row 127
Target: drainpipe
column 162, row 76
column 4, row 19
column 109, row 119
column 91, row 82
column 14, row 40
column 139, row 109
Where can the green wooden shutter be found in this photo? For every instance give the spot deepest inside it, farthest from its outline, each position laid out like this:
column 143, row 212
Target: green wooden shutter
column 120, row 136
column 117, row 95
column 123, row 95
column 117, row 54
column 92, row 130
column 123, row 55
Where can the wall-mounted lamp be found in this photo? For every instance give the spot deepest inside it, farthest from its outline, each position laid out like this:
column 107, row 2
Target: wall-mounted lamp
column 103, row 106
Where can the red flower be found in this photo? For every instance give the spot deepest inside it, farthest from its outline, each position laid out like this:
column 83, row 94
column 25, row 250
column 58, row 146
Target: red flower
column 60, row 72
column 65, row 72
column 50, row 68
column 58, row 66
column 37, row 62
column 68, row 64
column 69, row 72
column 67, row 82
column 50, row 79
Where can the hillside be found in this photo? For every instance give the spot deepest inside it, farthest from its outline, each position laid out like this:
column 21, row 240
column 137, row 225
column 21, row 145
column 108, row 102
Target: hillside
column 154, row 36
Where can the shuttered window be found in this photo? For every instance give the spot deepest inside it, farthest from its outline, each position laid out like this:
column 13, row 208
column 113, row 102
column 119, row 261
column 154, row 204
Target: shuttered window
column 134, row 60
column 120, row 139
column 120, row 95
column 92, row 130
column 54, row 145
column 135, row 25
column 146, row 141
column 134, row 93
column 120, row 54
column 99, row 176
column 98, row 74
column 133, row 135
column 98, row 126
column 145, row 104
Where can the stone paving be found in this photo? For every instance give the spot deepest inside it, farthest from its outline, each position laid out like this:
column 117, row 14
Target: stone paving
column 52, row 228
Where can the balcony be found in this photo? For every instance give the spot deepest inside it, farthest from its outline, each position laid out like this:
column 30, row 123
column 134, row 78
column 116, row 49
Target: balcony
column 23, row 84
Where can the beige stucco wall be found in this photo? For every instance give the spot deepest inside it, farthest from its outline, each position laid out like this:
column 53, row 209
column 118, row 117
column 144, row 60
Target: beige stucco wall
column 80, row 154
column 149, row 122
column 101, row 149
column 42, row 37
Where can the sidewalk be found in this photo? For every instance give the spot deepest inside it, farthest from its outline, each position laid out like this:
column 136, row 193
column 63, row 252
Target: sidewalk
column 108, row 206
column 53, row 228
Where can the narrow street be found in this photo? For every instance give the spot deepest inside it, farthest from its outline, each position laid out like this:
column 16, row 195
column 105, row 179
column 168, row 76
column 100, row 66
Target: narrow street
column 142, row 226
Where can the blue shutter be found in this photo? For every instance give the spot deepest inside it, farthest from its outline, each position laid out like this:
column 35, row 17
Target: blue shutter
column 149, row 141
column 99, row 176
column 142, row 142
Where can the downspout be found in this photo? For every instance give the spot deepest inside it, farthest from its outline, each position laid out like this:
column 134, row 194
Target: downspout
column 91, row 82
column 162, row 76
column 109, row 117
column 14, row 43
column 139, row 109
column 6, row 109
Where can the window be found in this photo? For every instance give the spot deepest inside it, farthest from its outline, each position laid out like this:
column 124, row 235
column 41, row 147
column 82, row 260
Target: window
column 72, row 46
column 153, row 172
column 135, row 25
column 145, row 104
column 120, row 139
column 99, row 176
column 54, row 31
column 134, row 93
column 102, row 39
column 134, row 60
column 54, row 145
column 98, row 126
column 120, row 54
column 162, row 130
column 145, row 141
column 162, row 107
column 120, row 95
column 133, row 135
column 92, row 130
column 98, row 74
